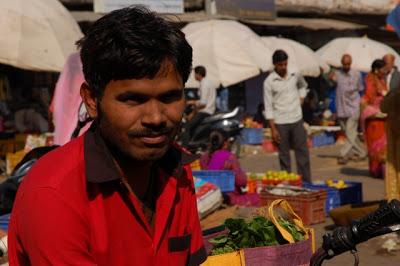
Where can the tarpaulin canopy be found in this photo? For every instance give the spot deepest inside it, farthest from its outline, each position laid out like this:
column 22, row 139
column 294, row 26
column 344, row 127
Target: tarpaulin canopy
column 36, row 35
column 362, row 49
column 301, row 58
column 229, row 50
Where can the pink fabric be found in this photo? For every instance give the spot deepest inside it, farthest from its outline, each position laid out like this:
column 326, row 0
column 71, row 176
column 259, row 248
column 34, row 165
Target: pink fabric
column 368, row 112
column 67, row 99
column 225, row 160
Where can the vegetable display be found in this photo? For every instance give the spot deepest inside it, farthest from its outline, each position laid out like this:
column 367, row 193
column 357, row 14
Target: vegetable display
column 259, row 181
column 259, row 232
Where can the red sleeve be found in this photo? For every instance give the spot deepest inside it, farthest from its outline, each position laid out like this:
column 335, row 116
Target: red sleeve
column 197, row 251
column 45, row 229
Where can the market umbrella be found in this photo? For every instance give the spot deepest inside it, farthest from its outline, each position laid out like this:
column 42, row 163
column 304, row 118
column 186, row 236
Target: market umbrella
column 36, row 34
column 362, row 49
column 301, row 58
column 229, row 50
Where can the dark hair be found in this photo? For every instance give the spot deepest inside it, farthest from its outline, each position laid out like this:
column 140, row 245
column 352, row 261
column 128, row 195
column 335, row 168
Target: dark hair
column 217, row 139
column 377, row 64
column 132, row 43
column 200, row 70
column 279, row 56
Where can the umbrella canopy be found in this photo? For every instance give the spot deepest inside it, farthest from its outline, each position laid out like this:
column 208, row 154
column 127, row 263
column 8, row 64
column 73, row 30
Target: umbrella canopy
column 301, row 58
column 362, row 49
column 229, row 50
column 37, row 34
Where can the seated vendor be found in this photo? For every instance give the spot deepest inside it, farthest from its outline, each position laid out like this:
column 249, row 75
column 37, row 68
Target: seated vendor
column 218, row 157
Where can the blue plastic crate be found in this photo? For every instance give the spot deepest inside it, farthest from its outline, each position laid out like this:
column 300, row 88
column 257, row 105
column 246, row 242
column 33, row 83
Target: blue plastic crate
column 252, row 136
column 4, row 220
column 352, row 194
column 332, row 196
column 225, row 180
column 323, row 139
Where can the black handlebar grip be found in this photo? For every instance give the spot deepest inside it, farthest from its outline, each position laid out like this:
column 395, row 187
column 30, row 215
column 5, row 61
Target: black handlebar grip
column 387, row 215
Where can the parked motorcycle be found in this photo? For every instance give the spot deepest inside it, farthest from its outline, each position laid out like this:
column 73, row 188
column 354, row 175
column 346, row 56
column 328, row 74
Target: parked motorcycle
column 383, row 221
column 229, row 123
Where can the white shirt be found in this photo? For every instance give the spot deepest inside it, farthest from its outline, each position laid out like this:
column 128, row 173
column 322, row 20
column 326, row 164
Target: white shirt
column 208, row 95
column 282, row 97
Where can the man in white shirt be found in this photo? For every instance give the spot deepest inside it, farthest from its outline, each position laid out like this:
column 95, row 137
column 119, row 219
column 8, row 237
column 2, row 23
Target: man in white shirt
column 284, row 93
column 393, row 77
column 205, row 106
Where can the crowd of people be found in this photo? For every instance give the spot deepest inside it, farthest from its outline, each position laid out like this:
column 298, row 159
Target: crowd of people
column 358, row 104
column 358, row 100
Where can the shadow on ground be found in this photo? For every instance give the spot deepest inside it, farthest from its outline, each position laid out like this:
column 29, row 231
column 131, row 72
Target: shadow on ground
column 350, row 171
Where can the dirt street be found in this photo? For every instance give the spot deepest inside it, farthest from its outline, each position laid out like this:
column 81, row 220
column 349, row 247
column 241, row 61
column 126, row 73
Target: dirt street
column 324, row 166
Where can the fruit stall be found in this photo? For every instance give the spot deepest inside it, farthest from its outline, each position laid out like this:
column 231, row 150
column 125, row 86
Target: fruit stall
column 313, row 202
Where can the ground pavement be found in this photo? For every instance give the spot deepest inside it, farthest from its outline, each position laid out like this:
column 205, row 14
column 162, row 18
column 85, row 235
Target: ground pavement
column 324, row 166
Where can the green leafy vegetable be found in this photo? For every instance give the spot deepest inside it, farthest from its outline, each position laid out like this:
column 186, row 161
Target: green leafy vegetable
column 258, row 232
column 297, row 234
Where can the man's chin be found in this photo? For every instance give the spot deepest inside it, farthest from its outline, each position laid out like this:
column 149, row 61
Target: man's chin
column 151, row 154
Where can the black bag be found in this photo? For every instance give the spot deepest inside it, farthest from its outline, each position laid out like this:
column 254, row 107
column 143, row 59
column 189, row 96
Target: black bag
column 9, row 188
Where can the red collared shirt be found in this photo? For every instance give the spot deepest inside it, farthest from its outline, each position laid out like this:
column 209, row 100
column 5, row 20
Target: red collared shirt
column 72, row 210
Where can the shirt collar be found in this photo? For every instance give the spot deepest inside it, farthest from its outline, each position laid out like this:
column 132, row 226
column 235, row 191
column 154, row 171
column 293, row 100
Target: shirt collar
column 101, row 168
column 276, row 76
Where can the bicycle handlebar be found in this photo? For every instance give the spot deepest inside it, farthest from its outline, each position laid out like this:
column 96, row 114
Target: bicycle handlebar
column 346, row 238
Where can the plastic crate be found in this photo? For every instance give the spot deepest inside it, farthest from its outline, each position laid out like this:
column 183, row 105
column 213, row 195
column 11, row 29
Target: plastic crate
column 332, row 196
column 225, row 180
column 4, row 221
column 352, row 194
column 310, row 207
column 252, row 136
column 323, row 139
column 260, row 185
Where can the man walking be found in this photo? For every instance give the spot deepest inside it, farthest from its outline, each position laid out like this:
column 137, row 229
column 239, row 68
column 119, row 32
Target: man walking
column 393, row 76
column 284, row 93
column 205, row 106
column 348, row 88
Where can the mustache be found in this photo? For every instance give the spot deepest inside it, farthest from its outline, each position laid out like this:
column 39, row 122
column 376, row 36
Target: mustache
column 148, row 132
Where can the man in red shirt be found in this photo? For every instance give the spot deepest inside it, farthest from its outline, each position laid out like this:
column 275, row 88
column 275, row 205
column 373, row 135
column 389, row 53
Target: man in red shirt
column 122, row 194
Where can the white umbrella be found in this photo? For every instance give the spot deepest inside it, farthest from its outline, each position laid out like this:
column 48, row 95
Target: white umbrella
column 362, row 49
column 229, row 50
column 301, row 58
column 36, row 34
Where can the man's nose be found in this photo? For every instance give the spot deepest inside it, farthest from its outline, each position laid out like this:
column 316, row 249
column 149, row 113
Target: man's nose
column 153, row 114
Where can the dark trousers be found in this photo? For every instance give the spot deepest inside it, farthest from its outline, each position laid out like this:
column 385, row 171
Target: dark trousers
column 191, row 126
column 294, row 136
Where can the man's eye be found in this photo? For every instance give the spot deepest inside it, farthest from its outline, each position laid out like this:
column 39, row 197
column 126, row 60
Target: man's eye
column 132, row 99
column 172, row 97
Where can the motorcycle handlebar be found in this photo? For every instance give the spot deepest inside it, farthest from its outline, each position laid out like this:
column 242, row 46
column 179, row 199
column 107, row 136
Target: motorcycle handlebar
column 366, row 227
column 346, row 238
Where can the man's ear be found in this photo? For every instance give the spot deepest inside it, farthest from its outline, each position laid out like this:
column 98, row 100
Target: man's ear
column 90, row 100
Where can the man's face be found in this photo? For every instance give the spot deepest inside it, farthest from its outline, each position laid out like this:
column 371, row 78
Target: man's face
column 389, row 62
column 382, row 72
column 140, row 118
column 198, row 77
column 281, row 68
column 346, row 64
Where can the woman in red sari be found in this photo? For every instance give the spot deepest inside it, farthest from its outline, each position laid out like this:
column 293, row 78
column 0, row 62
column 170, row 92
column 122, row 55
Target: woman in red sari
column 373, row 120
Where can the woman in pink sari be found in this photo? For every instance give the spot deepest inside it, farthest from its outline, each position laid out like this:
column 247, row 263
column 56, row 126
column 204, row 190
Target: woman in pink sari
column 219, row 157
column 373, row 120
